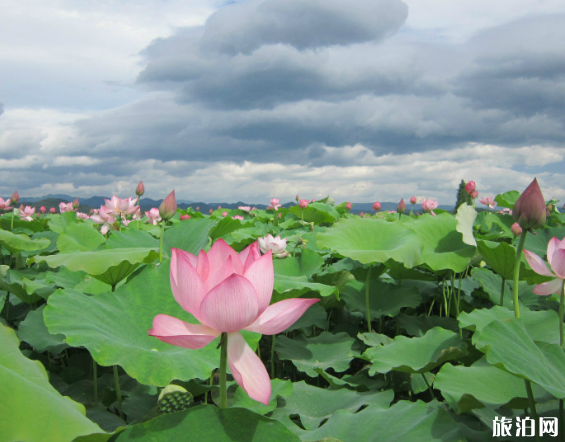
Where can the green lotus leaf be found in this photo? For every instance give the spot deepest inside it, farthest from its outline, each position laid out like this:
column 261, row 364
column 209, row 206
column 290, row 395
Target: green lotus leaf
column 317, row 213
column 20, row 242
column 507, row 199
column 499, row 256
column 79, row 238
column 113, row 327
column 415, row 355
column 372, row 241
column 465, row 217
column 189, row 235
column 34, row 331
column 208, row 423
column 31, row 409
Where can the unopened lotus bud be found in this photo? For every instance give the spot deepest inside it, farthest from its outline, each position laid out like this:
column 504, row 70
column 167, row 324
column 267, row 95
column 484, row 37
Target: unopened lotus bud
column 198, row 208
column 413, row 200
column 52, row 210
column 303, row 204
column 348, row 206
column 210, row 211
column 474, row 194
column 401, row 208
column 516, row 229
column 15, row 198
column 297, row 198
column 140, row 189
column 362, row 214
column 529, row 210
column 376, row 206
column 76, row 203
column 470, row 187
column 183, row 217
column 168, row 207
column 224, row 214
column 42, row 209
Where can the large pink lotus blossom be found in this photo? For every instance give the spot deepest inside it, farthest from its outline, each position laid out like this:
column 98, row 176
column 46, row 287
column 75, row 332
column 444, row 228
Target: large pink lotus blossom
column 117, row 206
column 428, row 206
column 228, row 292
column 105, row 218
column 303, row 204
column 556, row 258
column 66, row 207
column 276, row 245
column 488, row 201
column 5, row 204
column 27, row 212
column 153, row 216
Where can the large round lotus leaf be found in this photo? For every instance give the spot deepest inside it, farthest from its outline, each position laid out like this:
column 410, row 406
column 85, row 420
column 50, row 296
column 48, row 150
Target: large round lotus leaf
column 508, row 344
column 499, row 256
column 79, row 237
column 19, row 242
column 316, row 213
column 403, row 422
column 372, row 241
column 208, row 423
column 443, row 244
column 31, row 409
column 113, row 327
column 190, row 235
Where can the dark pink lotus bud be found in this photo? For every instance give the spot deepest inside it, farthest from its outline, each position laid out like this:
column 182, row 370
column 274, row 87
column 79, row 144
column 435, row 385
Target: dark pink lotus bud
column 529, row 210
column 42, row 209
column 413, row 200
column 210, row 211
column 168, row 207
column 198, row 208
column 52, row 210
column 516, row 229
column 474, row 194
column 348, row 206
column 140, row 189
column 401, row 208
column 297, row 198
column 15, row 198
column 76, row 203
column 376, row 206
column 362, row 214
column 183, row 217
column 303, row 204
column 470, row 187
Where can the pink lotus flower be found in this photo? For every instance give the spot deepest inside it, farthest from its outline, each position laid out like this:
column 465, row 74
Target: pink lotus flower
column 428, row 205
column 66, row 207
column 82, row 215
column 556, row 258
column 117, row 206
column 15, row 198
column 348, row 206
column 228, row 292
column 303, row 204
column 474, row 194
column 140, row 189
column 245, row 208
column 5, row 204
column 276, row 245
column 401, row 208
column 52, row 210
column 224, row 214
column 168, row 206
column 470, row 187
column 275, row 204
column 239, row 217
column 105, row 218
column 42, row 209
column 413, row 200
column 529, row 210
column 488, row 201
column 376, row 206
column 183, row 217
column 516, row 230
column 153, row 216
column 26, row 213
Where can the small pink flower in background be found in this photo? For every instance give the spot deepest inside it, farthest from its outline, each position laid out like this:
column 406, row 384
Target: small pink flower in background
column 76, row 203
column 105, row 218
column 376, row 206
column 26, row 213
column 210, row 211
column 505, row 211
column 413, row 200
column 183, row 217
column 168, row 206
column 245, row 208
column 516, row 229
column 82, row 215
column 275, row 204
column 474, row 194
column 313, row 200
column 52, row 210
column 362, row 214
column 117, row 206
column 198, row 208
column 224, row 214
column 153, row 216
column 5, row 204
column 401, row 208
column 66, row 207
column 140, row 189
column 556, row 259
column 276, row 245
column 470, row 187
column 15, row 198
column 239, row 217
column 227, row 292
column 303, row 204
column 348, row 206
column 42, row 209
column 488, row 201
column 428, row 206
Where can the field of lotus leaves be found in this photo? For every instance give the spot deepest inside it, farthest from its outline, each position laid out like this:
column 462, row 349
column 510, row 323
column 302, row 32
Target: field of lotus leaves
column 426, row 328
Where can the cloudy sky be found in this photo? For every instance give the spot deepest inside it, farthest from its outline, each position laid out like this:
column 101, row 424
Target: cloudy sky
column 364, row 100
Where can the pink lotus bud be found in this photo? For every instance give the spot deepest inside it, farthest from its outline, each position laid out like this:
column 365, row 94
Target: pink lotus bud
column 529, row 210
column 413, row 200
column 297, row 198
column 42, row 209
column 303, row 204
column 183, row 217
column 219, row 206
column 348, row 206
column 210, row 211
column 224, row 213
column 140, row 189
column 470, row 187
column 168, row 207
column 76, row 203
column 516, row 229
column 376, row 206
column 52, row 210
column 362, row 214
column 280, row 215
column 401, row 208
column 313, row 200
column 15, row 198
column 198, row 208
column 474, row 194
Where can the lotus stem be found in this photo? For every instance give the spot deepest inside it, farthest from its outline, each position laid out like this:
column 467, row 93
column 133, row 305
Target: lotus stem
column 532, row 403
column 502, row 287
column 517, row 272
column 94, row 379
column 118, row 391
column 367, row 303
column 161, row 242
column 223, row 364
column 273, row 341
column 561, row 302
